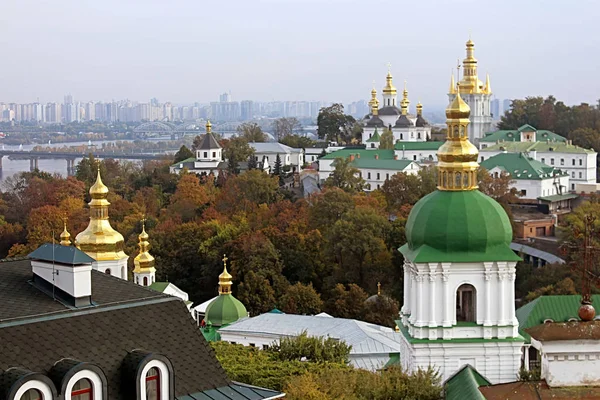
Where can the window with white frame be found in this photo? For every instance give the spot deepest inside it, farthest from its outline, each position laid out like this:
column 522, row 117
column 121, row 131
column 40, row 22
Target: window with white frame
column 85, row 385
column 32, row 394
column 82, row 390
column 155, row 383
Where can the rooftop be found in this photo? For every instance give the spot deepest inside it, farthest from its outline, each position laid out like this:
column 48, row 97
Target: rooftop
column 344, row 153
column 515, row 135
column 273, row 147
column 417, row 145
column 386, row 164
column 61, row 254
column 574, row 330
column 521, row 166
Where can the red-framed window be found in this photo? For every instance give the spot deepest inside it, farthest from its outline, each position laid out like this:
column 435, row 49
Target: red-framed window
column 153, row 384
column 32, row 394
column 82, row 390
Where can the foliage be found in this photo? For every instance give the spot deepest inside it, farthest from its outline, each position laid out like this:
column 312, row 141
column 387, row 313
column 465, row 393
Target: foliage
column 345, row 176
column 252, row 163
column 252, row 132
column 277, row 166
column 283, row 127
column 564, row 286
column 301, row 299
column 183, row 154
column 382, row 310
column 356, row 384
column 312, row 349
column 532, row 375
column 346, row 302
column 235, row 151
column 335, row 126
column 386, row 141
column 297, row 141
column 264, row 368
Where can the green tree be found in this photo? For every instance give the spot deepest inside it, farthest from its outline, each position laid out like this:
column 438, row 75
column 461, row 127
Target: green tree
column 345, row 176
column 335, row 126
column 382, row 310
column 252, row 164
column 252, row 132
column 256, row 293
column 236, row 151
column 346, row 302
column 301, row 299
column 277, row 166
column 387, row 140
column 297, row 141
column 283, row 127
column 312, row 349
column 182, row 154
column 328, row 206
column 401, row 189
column 562, row 287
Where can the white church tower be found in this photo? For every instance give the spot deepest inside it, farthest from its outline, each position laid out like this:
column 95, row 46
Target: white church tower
column 459, row 270
column 477, row 95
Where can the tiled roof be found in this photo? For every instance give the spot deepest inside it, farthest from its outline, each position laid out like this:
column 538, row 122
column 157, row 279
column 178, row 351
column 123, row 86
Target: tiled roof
column 464, row 384
column 558, row 308
column 515, row 135
column 389, row 110
column 524, row 147
column 61, row 254
column 209, row 142
column 417, row 145
column 521, row 166
column 159, row 286
column 574, row 330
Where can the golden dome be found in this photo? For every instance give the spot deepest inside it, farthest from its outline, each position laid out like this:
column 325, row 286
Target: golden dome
column 419, row 108
column 457, row 157
column 65, row 236
column 389, row 87
column 208, row 126
column 144, row 261
column 225, row 279
column 99, row 240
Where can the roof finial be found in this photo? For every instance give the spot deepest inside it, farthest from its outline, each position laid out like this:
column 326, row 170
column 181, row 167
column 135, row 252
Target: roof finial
column 225, row 278
column 389, row 65
column 378, row 288
column 65, row 236
column 208, row 126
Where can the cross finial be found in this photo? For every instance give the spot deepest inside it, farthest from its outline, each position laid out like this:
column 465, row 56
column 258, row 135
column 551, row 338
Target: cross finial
column 143, row 221
column 389, row 65
column 378, row 288
column 225, row 260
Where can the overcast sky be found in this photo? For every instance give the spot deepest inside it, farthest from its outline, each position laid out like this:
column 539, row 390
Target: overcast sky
column 193, row 50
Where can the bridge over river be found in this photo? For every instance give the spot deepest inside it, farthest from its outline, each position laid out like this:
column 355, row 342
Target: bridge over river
column 70, row 157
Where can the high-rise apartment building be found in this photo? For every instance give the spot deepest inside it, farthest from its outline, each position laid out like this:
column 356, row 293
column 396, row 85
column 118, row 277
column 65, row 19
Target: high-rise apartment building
column 247, row 110
column 495, row 106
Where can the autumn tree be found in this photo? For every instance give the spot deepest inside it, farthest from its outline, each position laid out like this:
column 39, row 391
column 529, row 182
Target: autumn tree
column 297, row 141
column 386, row 141
column 182, row 154
column 286, row 126
column 346, row 302
column 345, row 176
column 382, row 310
column 301, row 299
column 252, row 132
column 401, row 189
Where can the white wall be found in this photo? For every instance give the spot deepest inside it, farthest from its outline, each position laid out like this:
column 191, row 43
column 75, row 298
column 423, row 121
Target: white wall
column 74, row 280
column 377, row 177
column 535, row 188
column 417, row 155
column 570, row 362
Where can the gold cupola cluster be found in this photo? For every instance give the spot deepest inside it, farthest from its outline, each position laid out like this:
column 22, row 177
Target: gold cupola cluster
column 144, row 261
column 457, row 157
column 374, row 103
column 389, row 87
column 99, row 240
column 225, row 279
column 470, row 84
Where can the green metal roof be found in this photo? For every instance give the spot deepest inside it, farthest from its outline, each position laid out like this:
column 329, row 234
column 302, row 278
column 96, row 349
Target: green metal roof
column 344, row 153
column 521, row 166
column 159, row 286
column 372, row 163
column 235, row 391
column 224, row 310
column 69, row 255
column 464, row 226
column 524, row 147
column 558, row 308
column 375, row 138
column 559, row 197
column 515, row 135
column 417, row 145
column 464, row 384
column 187, row 160
column 211, row 334
column 394, row 360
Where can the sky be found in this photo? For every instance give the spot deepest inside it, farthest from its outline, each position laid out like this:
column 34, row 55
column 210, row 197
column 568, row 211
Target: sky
column 331, row 50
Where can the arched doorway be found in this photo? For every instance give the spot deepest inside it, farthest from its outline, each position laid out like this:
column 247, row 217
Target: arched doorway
column 466, row 303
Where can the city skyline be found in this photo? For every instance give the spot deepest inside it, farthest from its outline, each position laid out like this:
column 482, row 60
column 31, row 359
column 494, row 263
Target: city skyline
column 185, row 52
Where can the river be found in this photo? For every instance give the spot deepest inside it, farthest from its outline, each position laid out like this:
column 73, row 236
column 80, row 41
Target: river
column 12, row 167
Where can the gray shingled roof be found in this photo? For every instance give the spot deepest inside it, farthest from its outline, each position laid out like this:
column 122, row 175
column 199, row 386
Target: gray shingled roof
column 389, row 110
column 209, row 142
column 403, row 122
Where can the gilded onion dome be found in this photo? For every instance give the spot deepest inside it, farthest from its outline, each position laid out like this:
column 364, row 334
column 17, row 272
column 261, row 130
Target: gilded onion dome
column 470, row 83
column 404, row 102
column 144, row 261
column 99, row 240
column 65, row 236
column 389, row 87
column 225, row 279
column 457, row 156
column 373, row 99
column 225, row 309
column 208, row 126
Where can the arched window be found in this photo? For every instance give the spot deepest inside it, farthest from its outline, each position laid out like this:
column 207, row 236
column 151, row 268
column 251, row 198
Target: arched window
column 457, row 180
column 466, row 301
column 32, row 394
column 145, row 281
column 82, row 390
column 153, row 384
column 107, row 272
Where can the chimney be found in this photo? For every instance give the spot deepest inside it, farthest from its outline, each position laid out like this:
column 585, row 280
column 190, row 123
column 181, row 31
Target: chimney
column 351, row 157
column 377, row 156
column 395, row 156
column 64, row 272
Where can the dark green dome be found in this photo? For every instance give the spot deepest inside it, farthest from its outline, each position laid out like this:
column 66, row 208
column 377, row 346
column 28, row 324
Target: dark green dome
column 462, row 226
column 225, row 310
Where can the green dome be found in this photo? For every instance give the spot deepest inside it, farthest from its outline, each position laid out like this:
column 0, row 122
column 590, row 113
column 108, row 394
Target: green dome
column 464, row 226
column 225, row 310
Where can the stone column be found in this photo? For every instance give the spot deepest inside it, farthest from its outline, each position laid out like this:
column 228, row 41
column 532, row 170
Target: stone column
column 512, row 318
column 420, row 278
column 406, row 296
column 35, row 163
column 502, row 297
column 413, row 296
column 431, row 299
column 448, row 301
column 487, row 321
column 31, row 168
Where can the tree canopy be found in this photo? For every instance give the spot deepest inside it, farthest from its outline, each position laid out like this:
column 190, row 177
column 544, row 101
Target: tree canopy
column 335, row 126
column 345, row 176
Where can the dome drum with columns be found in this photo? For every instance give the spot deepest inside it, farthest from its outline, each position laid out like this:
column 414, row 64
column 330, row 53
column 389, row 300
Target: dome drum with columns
column 404, row 126
column 459, row 270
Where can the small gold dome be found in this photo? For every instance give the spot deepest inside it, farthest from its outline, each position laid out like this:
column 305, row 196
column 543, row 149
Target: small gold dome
column 65, row 236
column 470, row 43
column 389, row 86
column 98, row 189
column 208, row 126
column 458, row 109
column 144, row 261
column 225, row 279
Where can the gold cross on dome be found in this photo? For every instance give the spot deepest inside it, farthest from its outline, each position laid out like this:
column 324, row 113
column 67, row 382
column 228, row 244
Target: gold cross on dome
column 378, row 288
column 389, row 65
column 225, row 260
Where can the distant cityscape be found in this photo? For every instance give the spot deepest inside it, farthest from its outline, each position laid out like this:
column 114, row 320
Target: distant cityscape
column 225, row 110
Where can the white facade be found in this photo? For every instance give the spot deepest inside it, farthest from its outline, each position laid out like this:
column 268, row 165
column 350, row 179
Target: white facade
column 481, row 114
column 533, row 188
column 569, row 362
column 269, row 151
column 376, row 177
column 581, row 166
column 75, row 280
column 425, row 155
column 116, row 268
column 434, row 296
